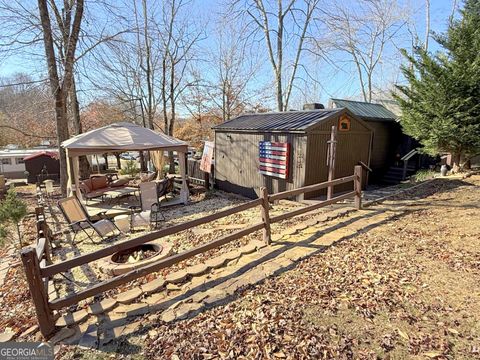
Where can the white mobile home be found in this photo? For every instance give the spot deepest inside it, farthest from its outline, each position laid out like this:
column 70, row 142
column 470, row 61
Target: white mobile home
column 12, row 164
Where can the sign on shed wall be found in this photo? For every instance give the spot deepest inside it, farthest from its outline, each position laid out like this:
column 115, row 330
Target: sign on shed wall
column 273, row 157
column 207, row 157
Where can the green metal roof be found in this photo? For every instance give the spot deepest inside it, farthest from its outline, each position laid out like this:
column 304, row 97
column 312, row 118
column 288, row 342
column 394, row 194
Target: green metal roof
column 366, row 111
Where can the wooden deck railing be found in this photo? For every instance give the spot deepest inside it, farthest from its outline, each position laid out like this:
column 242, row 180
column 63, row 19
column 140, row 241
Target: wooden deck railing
column 39, row 269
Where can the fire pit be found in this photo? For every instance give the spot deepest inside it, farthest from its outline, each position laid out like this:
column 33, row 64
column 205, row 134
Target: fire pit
column 133, row 258
column 136, row 254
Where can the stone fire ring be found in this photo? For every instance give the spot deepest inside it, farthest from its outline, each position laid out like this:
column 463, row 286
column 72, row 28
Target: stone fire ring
column 109, row 266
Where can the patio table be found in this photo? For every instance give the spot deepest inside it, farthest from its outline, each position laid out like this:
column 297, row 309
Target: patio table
column 121, row 192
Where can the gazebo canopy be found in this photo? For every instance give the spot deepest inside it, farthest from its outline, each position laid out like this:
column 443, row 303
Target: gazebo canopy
column 121, row 137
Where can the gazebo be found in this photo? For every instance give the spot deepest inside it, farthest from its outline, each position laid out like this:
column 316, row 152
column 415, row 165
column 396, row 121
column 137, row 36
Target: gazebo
column 122, row 137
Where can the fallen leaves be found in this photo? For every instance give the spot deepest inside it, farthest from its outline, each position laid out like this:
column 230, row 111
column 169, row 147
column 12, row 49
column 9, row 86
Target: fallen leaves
column 365, row 298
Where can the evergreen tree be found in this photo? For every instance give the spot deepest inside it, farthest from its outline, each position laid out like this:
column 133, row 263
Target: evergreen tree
column 12, row 210
column 441, row 102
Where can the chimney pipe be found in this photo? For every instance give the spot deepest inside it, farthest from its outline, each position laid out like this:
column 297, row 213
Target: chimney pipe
column 313, row 106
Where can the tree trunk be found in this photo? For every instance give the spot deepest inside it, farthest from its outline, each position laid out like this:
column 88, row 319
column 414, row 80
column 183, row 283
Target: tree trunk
column 59, row 88
column 84, row 165
column 148, row 69
column 456, row 157
column 464, row 162
column 57, row 92
column 19, row 236
column 171, row 126
column 62, row 135
column 77, row 124
column 164, row 96
column 279, row 93
column 171, row 159
column 369, row 87
column 279, row 69
column 105, row 157
column 143, row 166
column 119, row 163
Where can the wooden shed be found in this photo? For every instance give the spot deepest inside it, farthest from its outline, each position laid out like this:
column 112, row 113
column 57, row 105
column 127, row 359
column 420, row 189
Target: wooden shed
column 299, row 135
column 389, row 142
column 41, row 166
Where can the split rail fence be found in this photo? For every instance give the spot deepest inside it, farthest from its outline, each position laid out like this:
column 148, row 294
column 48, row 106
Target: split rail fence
column 39, row 267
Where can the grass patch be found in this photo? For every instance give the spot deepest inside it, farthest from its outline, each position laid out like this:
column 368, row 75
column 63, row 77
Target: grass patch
column 422, row 175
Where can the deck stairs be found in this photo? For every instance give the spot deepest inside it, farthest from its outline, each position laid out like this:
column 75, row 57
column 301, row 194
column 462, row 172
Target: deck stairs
column 394, row 174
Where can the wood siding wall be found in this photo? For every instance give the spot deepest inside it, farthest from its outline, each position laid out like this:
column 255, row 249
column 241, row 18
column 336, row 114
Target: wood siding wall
column 237, row 164
column 387, row 137
column 352, row 146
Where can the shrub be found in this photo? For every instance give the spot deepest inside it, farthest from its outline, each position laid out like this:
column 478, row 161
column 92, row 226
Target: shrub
column 12, row 210
column 130, row 168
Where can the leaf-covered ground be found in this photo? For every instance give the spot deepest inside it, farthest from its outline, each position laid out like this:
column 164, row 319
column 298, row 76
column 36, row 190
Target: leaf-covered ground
column 406, row 288
column 409, row 288
column 16, row 308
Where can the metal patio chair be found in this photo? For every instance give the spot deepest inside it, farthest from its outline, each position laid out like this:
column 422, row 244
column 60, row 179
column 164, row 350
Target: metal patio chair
column 164, row 187
column 79, row 220
column 148, row 213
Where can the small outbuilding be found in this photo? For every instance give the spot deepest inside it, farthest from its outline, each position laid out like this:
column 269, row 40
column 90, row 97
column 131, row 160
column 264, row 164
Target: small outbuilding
column 41, row 166
column 389, row 144
column 296, row 145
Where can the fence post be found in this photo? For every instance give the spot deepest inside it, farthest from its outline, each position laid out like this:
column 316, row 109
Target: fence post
column 47, row 233
column 267, row 234
column 45, row 317
column 358, row 186
column 206, row 178
column 39, row 211
column 44, row 231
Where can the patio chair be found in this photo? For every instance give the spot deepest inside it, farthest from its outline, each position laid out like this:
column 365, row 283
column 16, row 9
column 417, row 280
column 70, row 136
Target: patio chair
column 79, row 220
column 148, row 213
column 164, row 187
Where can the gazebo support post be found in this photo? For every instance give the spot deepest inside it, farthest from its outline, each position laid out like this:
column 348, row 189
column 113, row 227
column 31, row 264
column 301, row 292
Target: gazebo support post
column 73, row 171
column 76, row 173
column 183, row 172
column 69, row 174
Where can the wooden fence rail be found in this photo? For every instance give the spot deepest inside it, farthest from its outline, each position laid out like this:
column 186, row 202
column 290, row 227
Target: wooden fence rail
column 39, row 269
column 125, row 245
column 148, row 269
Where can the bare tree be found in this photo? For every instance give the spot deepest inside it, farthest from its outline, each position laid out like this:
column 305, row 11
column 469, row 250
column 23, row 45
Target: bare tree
column 234, row 62
column 284, row 28
column 23, row 26
column 179, row 36
column 60, row 70
column 118, row 76
column 364, row 32
column 26, row 114
column 197, row 98
column 146, row 65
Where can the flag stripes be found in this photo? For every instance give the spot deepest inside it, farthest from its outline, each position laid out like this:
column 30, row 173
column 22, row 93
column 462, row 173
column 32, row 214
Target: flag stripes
column 273, row 158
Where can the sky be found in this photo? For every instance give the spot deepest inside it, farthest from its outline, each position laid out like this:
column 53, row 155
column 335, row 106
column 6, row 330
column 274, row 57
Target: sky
column 333, row 82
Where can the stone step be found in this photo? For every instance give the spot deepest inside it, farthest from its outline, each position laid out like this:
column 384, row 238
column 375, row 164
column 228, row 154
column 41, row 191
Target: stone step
column 168, row 284
column 102, row 306
column 212, row 283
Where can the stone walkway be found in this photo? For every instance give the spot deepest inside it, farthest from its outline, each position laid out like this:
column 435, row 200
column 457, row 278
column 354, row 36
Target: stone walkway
column 8, row 261
column 186, row 292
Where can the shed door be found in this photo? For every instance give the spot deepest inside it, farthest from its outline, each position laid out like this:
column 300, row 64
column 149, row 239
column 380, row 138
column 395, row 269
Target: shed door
column 352, row 147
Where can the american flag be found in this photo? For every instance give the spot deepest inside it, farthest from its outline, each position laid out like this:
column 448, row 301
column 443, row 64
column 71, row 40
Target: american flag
column 273, row 158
